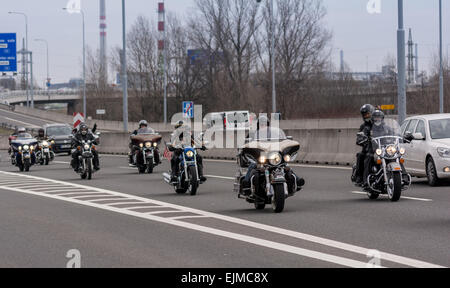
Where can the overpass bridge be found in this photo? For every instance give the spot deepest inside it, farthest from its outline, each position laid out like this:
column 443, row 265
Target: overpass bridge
column 69, row 96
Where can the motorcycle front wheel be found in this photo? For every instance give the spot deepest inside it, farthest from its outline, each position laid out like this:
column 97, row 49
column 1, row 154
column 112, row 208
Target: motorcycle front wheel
column 193, row 187
column 278, row 198
column 395, row 187
column 26, row 165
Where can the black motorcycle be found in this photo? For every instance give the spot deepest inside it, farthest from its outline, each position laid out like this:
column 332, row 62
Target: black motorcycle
column 272, row 180
column 145, row 147
column 23, row 152
column 85, row 159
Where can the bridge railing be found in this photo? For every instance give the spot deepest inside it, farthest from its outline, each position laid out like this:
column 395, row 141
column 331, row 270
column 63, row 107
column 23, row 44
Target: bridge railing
column 23, row 93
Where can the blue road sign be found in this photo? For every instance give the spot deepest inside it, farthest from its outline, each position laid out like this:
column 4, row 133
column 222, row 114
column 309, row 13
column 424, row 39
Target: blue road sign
column 8, row 52
column 188, row 109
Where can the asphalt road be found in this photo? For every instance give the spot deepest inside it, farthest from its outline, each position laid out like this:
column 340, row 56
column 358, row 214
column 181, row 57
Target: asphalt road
column 21, row 120
column 123, row 219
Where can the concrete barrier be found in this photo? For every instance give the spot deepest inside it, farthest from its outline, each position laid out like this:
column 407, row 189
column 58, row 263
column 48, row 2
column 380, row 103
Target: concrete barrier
column 317, row 146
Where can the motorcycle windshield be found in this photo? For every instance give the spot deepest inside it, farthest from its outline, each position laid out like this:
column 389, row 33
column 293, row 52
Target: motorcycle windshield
column 269, row 134
column 146, row 131
column 387, row 133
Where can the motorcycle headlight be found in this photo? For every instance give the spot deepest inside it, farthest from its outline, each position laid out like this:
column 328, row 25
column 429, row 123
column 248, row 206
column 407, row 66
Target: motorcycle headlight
column 20, row 148
column 26, row 147
column 45, row 144
column 190, row 154
column 275, row 159
column 148, row 144
column 155, row 144
column 31, row 147
column 391, row 150
column 444, row 152
column 379, row 152
column 402, row 151
column 141, row 145
column 86, row 147
column 262, row 159
column 287, row 158
column 53, row 142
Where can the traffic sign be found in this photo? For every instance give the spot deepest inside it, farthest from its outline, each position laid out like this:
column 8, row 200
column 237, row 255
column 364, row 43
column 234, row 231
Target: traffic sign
column 8, row 52
column 101, row 111
column 188, row 109
column 387, row 107
column 78, row 118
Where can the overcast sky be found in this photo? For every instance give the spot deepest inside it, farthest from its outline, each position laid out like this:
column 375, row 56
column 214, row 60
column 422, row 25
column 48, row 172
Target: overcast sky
column 361, row 35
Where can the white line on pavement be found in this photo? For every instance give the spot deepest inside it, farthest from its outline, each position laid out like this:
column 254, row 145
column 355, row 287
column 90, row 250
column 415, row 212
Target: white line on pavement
column 403, row 197
column 245, row 238
column 27, row 116
column 21, row 122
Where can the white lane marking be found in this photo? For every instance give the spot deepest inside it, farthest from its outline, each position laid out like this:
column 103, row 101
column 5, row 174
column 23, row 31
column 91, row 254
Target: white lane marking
column 21, row 122
column 123, row 203
column 164, row 212
column 220, row 177
column 308, row 253
column 239, row 237
column 142, row 207
column 403, row 197
column 128, row 168
column 187, row 217
column 87, row 195
column 61, row 162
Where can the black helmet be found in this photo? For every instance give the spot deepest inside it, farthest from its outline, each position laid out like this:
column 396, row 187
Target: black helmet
column 83, row 129
column 366, row 112
column 377, row 117
column 41, row 132
column 143, row 123
column 179, row 124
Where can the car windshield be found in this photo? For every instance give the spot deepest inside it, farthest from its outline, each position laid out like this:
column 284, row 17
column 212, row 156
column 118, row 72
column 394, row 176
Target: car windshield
column 269, row 134
column 59, row 131
column 146, row 131
column 440, row 129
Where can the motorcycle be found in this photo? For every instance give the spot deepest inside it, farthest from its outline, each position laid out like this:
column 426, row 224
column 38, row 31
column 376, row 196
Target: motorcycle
column 85, row 159
column 145, row 148
column 387, row 175
column 272, row 181
column 23, row 153
column 188, row 176
column 44, row 152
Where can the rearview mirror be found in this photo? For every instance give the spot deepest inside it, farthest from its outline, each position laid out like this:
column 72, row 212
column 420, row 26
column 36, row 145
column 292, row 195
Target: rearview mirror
column 418, row 136
column 290, row 138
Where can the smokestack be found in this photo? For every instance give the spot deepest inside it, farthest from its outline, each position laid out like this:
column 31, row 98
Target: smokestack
column 417, row 62
column 103, row 56
column 342, row 61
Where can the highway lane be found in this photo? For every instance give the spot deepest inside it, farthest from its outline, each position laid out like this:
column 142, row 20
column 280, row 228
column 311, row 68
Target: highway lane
column 21, row 120
column 326, row 208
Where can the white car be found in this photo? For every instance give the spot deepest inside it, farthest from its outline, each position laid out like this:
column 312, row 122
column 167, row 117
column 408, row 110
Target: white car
column 428, row 154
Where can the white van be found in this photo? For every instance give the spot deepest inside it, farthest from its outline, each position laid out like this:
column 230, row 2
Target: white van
column 229, row 121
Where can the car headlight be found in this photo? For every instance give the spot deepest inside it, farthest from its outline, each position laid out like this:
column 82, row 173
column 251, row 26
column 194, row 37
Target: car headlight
column 155, row 144
column 379, row 152
column 287, row 158
column 26, row 147
column 444, row 152
column 402, row 151
column 190, row 154
column 275, row 159
column 262, row 160
column 391, row 150
column 86, row 147
column 141, row 145
column 148, row 144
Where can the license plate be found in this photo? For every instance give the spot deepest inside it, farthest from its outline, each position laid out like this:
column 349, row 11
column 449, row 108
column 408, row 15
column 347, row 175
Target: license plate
column 46, row 150
column 65, row 146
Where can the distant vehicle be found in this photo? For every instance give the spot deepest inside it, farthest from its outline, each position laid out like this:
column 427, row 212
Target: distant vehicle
column 229, row 121
column 428, row 155
column 62, row 135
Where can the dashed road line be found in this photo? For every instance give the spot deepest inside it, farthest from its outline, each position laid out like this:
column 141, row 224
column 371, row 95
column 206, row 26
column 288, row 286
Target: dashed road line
column 108, row 205
column 403, row 197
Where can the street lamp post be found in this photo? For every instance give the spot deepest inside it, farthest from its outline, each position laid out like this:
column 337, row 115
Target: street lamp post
column 401, row 65
column 26, row 55
column 441, row 64
column 124, row 70
column 272, row 48
column 84, row 62
column 48, row 70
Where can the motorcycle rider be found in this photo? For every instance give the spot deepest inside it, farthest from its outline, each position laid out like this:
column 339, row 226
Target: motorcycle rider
column 41, row 135
column 83, row 134
column 175, row 147
column 143, row 128
column 17, row 132
column 364, row 133
column 264, row 131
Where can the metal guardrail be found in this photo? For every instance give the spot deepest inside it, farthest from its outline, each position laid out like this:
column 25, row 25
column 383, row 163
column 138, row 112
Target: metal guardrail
column 22, row 93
